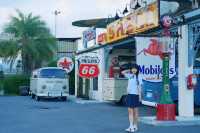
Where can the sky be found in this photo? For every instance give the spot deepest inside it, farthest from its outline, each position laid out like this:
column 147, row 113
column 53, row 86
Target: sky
column 71, row 10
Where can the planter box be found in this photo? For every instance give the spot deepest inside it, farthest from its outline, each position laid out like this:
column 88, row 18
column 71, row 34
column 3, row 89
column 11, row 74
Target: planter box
column 166, row 112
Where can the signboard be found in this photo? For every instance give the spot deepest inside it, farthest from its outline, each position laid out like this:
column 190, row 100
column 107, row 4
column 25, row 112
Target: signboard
column 139, row 21
column 102, row 38
column 88, row 35
column 88, row 70
column 149, row 59
column 66, row 63
column 88, row 67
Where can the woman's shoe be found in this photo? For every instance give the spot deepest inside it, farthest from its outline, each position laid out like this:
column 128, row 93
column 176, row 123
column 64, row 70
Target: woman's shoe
column 128, row 129
column 134, row 129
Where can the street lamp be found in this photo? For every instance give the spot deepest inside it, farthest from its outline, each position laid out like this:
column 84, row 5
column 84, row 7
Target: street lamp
column 126, row 9
column 137, row 5
column 56, row 12
column 117, row 15
column 109, row 19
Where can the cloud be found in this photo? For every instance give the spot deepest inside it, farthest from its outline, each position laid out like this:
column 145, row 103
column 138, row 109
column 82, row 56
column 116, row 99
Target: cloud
column 5, row 14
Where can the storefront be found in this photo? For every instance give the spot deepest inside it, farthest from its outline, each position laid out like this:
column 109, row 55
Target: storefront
column 111, row 59
column 116, row 50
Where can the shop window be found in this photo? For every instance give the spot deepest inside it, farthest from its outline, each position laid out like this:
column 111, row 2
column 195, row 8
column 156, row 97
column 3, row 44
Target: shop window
column 95, row 84
column 126, row 59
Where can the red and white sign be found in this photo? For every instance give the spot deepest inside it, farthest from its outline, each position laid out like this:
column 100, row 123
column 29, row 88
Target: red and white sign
column 88, row 70
column 66, row 63
column 88, row 67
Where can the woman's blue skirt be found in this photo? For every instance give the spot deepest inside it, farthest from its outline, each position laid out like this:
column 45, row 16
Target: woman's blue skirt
column 132, row 101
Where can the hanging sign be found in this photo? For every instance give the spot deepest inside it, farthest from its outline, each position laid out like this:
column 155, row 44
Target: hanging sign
column 88, row 67
column 139, row 21
column 66, row 63
column 88, row 35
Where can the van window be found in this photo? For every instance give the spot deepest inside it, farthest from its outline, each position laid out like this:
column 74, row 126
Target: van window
column 53, row 73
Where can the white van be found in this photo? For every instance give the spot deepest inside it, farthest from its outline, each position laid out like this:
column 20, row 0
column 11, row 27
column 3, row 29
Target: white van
column 49, row 82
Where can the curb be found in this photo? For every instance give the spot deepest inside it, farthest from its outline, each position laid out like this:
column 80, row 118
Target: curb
column 180, row 121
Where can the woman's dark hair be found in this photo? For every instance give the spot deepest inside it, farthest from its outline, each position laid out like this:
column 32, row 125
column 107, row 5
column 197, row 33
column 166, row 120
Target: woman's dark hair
column 129, row 66
column 136, row 67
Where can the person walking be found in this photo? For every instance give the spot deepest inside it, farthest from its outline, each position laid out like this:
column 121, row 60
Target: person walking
column 133, row 96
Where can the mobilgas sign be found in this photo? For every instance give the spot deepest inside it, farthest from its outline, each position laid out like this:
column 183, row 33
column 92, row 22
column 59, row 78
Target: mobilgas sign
column 149, row 59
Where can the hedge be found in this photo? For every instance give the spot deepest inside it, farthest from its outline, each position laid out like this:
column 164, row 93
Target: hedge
column 12, row 83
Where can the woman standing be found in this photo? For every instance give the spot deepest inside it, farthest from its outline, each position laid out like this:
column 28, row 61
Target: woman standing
column 133, row 97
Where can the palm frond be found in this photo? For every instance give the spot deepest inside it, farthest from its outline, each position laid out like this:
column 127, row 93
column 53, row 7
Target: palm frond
column 32, row 38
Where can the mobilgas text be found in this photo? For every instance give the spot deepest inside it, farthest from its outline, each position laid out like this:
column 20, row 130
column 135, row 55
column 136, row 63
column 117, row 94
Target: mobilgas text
column 151, row 70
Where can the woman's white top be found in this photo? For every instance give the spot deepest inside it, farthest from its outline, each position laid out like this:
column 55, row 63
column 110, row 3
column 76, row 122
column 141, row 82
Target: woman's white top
column 132, row 83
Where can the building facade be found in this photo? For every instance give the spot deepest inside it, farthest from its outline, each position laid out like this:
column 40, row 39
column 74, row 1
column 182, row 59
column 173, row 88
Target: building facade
column 67, row 47
column 185, row 28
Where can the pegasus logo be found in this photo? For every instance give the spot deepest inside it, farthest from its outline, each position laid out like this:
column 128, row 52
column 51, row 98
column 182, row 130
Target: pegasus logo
column 154, row 49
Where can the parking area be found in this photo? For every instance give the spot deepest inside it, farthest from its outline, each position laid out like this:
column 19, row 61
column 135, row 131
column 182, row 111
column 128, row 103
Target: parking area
column 24, row 115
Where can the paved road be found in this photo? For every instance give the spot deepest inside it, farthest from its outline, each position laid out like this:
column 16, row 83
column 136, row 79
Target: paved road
column 24, row 115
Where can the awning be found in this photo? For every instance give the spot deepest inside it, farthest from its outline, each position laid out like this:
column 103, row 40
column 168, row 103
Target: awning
column 98, row 23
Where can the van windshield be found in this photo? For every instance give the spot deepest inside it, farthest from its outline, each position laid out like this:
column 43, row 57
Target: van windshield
column 53, row 73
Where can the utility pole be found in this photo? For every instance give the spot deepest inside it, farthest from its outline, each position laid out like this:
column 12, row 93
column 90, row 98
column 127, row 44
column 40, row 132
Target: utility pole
column 56, row 12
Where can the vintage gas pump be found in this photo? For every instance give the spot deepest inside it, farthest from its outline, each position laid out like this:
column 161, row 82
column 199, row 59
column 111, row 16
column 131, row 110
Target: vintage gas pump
column 166, row 109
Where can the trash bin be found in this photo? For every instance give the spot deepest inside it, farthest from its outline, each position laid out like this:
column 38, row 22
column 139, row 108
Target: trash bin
column 71, row 91
column 24, row 90
column 1, row 83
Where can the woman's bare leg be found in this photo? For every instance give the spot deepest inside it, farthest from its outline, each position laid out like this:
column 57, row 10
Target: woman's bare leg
column 135, row 117
column 131, row 117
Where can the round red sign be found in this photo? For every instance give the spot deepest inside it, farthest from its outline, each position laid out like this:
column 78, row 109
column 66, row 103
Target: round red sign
column 66, row 63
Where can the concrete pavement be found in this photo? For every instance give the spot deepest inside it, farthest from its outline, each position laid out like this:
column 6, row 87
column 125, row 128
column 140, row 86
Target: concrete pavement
column 24, row 115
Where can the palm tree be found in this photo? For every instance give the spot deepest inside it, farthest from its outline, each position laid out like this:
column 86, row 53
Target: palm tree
column 31, row 38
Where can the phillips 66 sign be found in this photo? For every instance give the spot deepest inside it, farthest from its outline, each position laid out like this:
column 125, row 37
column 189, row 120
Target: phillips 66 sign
column 88, row 67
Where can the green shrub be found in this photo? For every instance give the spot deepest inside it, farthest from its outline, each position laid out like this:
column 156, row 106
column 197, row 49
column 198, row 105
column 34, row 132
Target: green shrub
column 52, row 63
column 12, row 83
column 1, row 84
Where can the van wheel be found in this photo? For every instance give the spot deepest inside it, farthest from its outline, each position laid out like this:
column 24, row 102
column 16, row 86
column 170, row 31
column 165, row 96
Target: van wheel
column 122, row 101
column 64, row 98
column 32, row 96
column 37, row 98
